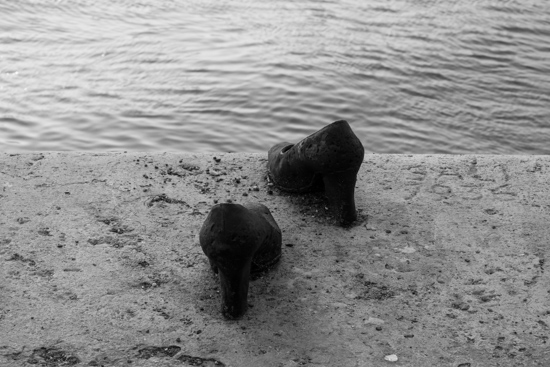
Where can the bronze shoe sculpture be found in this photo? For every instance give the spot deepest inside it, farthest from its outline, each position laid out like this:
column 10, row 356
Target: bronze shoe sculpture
column 239, row 240
column 331, row 157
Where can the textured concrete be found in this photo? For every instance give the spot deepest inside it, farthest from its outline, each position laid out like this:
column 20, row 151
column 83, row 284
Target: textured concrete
column 447, row 266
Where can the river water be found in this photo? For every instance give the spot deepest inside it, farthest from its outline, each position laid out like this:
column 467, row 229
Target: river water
column 411, row 76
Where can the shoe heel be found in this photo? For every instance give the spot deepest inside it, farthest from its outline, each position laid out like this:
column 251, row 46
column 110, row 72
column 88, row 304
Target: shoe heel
column 340, row 191
column 234, row 289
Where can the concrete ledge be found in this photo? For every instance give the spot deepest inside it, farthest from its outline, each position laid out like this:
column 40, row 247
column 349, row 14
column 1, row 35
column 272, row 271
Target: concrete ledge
column 100, row 264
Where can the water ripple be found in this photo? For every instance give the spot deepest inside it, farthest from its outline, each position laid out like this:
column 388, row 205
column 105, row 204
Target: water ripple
column 411, row 76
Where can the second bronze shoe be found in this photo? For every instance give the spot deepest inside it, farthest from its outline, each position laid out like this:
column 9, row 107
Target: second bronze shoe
column 331, row 157
column 239, row 240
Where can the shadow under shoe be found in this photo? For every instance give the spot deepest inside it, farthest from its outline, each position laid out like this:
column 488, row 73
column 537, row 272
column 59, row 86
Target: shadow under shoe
column 331, row 157
column 239, row 240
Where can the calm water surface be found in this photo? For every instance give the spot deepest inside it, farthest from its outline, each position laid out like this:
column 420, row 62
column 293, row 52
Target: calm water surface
column 411, row 76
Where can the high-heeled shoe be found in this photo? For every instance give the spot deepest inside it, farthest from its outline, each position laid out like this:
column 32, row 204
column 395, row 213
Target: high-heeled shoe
column 331, row 157
column 239, row 240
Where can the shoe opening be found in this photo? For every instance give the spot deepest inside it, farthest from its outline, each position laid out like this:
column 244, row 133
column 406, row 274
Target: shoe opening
column 285, row 149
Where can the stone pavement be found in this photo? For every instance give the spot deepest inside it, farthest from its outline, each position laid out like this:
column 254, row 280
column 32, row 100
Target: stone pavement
column 447, row 265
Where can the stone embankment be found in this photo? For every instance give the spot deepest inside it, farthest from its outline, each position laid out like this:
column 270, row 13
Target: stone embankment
column 447, row 265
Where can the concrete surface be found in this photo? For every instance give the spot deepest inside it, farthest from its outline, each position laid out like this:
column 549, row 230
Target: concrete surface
column 447, row 266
